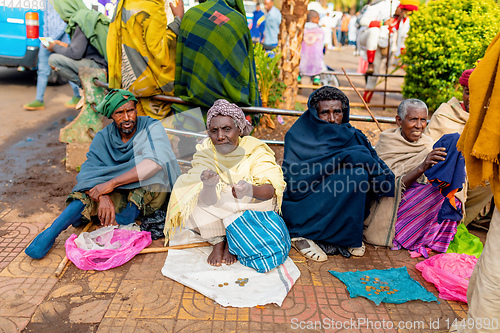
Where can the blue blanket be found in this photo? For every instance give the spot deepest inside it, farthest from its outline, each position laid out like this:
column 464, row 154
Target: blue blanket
column 449, row 176
column 332, row 175
column 392, row 285
column 109, row 157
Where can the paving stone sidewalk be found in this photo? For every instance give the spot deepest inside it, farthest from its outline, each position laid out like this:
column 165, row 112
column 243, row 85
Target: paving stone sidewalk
column 136, row 297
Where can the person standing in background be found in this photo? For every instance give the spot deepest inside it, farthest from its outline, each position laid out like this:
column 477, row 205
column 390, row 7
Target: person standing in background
column 344, row 28
column 258, row 24
column 272, row 30
column 54, row 28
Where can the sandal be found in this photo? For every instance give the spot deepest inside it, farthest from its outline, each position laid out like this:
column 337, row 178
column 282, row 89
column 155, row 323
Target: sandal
column 358, row 251
column 309, row 249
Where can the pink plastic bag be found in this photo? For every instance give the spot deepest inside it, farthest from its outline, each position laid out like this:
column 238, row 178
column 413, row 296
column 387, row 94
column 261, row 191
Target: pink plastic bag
column 450, row 273
column 122, row 246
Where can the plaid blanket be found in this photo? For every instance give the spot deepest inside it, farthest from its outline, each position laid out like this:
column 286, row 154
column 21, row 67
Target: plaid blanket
column 215, row 56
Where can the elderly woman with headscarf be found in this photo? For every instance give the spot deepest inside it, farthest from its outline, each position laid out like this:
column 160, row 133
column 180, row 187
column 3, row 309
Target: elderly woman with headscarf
column 88, row 30
column 234, row 179
column 332, row 175
column 411, row 219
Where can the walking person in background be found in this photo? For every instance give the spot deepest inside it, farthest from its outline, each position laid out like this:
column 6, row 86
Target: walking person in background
column 258, row 24
column 353, row 30
column 54, row 28
column 344, row 28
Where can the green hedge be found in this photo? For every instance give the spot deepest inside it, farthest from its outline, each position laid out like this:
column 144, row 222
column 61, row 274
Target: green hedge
column 446, row 37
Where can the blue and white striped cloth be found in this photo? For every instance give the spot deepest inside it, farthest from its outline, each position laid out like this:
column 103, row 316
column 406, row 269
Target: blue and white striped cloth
column 260, row 240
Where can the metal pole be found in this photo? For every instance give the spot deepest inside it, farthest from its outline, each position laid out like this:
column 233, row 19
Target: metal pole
column 387, row 63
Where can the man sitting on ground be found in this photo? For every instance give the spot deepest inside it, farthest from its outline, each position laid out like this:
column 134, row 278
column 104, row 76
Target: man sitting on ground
column 332, row 175
column 129, row 170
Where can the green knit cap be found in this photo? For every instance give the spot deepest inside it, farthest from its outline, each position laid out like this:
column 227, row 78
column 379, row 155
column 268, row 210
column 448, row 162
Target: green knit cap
column 113, row 100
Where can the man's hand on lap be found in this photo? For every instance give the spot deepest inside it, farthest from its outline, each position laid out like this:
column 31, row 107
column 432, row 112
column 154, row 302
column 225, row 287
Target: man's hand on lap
column 106, row 211
column 100, row 190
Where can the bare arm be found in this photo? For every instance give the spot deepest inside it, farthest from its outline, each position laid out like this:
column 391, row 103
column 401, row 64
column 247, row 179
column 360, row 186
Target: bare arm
column 435, row 156
column 144, row 170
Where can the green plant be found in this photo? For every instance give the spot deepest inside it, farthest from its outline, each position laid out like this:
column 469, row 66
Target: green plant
column 268, row 75
column 446, row 37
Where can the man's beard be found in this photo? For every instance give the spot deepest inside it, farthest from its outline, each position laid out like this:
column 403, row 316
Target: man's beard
column 127, row 131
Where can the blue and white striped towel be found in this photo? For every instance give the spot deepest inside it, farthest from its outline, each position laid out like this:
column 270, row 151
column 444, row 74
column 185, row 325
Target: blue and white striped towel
column 260, row 240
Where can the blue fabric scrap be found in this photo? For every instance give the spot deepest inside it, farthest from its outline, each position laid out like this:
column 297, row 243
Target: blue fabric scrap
column 392, row 285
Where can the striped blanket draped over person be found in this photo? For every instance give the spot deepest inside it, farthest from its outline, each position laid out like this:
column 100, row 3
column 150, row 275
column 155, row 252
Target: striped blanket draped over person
column 215, row 57
column 408, row 220
column 141, row 51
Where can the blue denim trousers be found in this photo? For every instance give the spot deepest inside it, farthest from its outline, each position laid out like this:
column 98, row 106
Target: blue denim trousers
column 44, row 70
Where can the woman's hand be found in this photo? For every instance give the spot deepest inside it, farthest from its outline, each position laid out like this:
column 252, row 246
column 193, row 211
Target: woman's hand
column 209, row 178
column 242, row 189
column 435, row 156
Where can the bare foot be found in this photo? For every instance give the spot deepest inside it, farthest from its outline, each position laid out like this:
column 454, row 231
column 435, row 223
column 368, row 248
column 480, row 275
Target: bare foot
column 215, row 258
column 227, row 257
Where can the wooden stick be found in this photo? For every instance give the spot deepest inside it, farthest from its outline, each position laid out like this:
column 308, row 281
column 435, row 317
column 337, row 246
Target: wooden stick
column 65, row 260
column 363, row 100
column 174, row 247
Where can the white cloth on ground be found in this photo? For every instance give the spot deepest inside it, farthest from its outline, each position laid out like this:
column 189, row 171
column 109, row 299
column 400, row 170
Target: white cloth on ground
column 190, row 268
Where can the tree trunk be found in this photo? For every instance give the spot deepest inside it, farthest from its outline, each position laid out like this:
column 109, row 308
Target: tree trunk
column 294, row 14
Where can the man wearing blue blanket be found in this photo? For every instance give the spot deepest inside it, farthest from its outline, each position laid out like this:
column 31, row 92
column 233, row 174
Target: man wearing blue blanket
column 129, row 171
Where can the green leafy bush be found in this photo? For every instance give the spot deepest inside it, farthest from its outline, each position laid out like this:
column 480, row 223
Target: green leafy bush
column 446, row 38
column 268, row 76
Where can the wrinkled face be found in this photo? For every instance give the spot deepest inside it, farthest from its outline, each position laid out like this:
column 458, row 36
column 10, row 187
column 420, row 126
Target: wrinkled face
column 331, row 111
column 125, row 118
column 414, row 123
column 224, row 134
column 465, row 97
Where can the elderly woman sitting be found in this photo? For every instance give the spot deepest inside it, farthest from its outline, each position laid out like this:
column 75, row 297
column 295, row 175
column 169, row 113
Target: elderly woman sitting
column 410, row 219
column 332, row 175
column 234, row 178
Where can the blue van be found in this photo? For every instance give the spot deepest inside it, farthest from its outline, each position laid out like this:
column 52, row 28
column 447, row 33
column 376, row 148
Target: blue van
column 20, row 27
column 21, row 23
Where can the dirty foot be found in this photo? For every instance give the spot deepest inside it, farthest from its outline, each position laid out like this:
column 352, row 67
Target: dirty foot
column 215, row 258
column 227, row 257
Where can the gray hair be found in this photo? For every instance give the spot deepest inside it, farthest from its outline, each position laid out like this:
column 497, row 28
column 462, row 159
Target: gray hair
column 411, row 102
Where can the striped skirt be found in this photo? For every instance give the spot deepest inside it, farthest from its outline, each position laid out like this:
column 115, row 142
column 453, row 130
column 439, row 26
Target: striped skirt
column 417, row 226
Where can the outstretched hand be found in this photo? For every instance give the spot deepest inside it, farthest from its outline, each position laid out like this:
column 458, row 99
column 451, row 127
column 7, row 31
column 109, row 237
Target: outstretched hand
column 242, row 189
column 209, row 178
